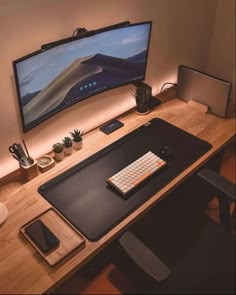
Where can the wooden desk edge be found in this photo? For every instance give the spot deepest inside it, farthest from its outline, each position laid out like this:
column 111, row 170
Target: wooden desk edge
column 61, row 272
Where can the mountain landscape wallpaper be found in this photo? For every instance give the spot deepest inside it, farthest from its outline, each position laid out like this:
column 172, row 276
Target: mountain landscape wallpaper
column 63, row 75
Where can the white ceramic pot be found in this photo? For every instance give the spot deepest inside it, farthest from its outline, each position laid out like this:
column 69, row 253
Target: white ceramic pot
column 68, row 150
column 142, row 113
column 59, row 156
column 78, row 145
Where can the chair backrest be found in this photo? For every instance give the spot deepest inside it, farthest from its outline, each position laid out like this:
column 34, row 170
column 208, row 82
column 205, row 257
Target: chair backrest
column 198, row 254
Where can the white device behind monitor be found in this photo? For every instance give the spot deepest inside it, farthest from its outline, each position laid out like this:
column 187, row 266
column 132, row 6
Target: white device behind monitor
column 203, row 88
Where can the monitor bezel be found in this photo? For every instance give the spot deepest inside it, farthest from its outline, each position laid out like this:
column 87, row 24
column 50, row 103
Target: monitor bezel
column 37, row 122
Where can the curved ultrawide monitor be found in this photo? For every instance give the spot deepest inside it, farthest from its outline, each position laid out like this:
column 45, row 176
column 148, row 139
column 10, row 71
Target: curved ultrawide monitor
column 49, row 81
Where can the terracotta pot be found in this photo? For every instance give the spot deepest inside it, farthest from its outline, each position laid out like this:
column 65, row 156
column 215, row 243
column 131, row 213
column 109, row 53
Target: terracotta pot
column 143, row 108
column 68, row 150
column 143, row 111
column 59, row 156
column 78, row 145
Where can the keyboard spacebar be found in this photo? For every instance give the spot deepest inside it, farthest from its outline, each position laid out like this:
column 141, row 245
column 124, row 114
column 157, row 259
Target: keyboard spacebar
column 147, row 174
column 142, row 178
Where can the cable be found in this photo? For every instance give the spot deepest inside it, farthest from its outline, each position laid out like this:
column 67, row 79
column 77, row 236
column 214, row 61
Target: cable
column 82, row 31
column 174, row 84
column 79, row 31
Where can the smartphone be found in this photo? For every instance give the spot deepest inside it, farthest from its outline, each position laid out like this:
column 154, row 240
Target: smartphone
column 42, row 236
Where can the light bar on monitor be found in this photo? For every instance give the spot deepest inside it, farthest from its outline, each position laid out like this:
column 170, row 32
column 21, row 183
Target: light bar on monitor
column 84, row 33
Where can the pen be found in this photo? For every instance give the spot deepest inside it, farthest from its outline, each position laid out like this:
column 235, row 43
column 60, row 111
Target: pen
column 29, row 158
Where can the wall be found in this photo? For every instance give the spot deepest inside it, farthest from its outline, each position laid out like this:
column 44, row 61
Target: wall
column 221, row 60
column 181, row 34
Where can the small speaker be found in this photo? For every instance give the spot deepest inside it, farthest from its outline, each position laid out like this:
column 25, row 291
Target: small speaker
column 205, row 89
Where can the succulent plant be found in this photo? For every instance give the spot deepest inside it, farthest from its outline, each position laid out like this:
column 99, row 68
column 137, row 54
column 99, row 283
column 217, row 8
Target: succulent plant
column 67, row 142
column 142, row 94
column 77, row 135
column 58, row 147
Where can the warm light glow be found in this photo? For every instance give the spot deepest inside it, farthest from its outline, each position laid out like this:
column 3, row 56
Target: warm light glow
column 85, row 116
column 170, row 78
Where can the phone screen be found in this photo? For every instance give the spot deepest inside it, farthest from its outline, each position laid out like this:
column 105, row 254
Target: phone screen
column 41, row 235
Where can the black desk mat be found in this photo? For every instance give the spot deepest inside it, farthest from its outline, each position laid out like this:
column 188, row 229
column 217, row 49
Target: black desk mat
column 83, row 196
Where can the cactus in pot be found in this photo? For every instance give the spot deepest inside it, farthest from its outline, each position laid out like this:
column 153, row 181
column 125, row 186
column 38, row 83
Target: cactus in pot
column 58, row 149
column 142, row 94
column 77, row 138
column 68, row 145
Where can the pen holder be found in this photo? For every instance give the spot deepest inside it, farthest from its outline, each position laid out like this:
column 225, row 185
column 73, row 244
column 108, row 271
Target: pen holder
column 29, row 172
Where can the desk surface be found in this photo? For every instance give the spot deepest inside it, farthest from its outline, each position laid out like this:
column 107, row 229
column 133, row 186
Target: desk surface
column 22, row 270
column 91, row 205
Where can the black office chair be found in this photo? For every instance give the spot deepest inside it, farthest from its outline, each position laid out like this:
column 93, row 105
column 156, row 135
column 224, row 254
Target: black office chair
column 184, row 251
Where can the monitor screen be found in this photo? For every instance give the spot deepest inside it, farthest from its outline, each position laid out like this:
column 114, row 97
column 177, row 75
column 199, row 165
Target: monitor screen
column 50, row 80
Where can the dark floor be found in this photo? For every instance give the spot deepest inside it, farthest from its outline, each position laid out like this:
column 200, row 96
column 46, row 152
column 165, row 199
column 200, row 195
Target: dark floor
column 110, row 280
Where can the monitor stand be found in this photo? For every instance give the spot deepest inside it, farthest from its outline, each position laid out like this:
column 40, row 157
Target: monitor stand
column 3, row 213
column 154, row 102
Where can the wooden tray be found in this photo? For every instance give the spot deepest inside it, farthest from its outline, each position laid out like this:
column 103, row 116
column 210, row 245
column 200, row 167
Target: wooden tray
column 70, row 238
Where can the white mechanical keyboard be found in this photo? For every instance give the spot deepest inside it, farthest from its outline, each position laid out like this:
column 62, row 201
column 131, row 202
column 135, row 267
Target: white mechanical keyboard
column 135, row 173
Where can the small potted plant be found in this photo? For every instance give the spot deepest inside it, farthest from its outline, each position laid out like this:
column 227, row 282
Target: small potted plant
column 142, row 94
column 58, row 149
column 77, row 138
column 68, row 145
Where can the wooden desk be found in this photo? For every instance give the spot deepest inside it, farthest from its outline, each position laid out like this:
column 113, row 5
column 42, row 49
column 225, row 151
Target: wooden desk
column 22, row 270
